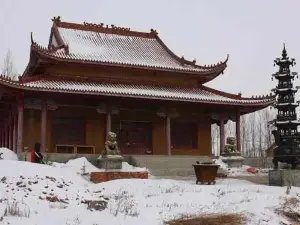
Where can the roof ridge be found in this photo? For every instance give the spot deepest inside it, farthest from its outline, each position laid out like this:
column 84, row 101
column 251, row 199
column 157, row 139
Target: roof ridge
column 102, row 28
column 8, row 78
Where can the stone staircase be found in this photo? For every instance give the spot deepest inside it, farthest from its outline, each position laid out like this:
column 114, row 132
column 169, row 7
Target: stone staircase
column 166, row 166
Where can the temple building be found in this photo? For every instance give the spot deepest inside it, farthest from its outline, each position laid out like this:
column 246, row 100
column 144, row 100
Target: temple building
column 94, row 78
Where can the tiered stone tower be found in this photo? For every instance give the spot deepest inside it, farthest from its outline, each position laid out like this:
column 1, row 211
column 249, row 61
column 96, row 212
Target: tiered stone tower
column 286, row 136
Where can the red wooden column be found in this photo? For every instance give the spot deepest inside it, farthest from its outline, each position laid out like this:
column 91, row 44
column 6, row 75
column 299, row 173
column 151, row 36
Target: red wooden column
column 1, row 145
column 238, row 130
column 6, row 135
column 15, row 121
column 43, row 125
column 20, row 125
column 10, row 136
column 108, row 122
column 222, row 133
column 168, row 133
column 3, row 135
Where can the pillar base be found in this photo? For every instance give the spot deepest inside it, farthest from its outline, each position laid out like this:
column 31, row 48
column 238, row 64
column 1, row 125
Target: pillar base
column 233, row 161
column 284, row 178
column 110, row 162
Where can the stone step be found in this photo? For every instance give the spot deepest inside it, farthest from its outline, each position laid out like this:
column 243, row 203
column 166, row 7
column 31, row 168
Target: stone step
column 168, row 165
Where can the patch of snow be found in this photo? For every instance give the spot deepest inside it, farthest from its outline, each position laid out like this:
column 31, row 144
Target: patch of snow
column 7, row 154
column 129, row 201
column 222, row 165
column 127, row 167
column 232, row 157
column 239, row 171
column 77, row 166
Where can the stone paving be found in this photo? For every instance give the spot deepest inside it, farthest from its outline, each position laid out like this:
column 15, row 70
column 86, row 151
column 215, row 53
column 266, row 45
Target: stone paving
column 263, row 180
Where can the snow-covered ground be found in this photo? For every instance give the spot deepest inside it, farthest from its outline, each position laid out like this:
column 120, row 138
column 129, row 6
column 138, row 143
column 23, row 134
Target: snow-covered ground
column 58, row 194
column 242, row 171
column 82, row 165
column 7, row 154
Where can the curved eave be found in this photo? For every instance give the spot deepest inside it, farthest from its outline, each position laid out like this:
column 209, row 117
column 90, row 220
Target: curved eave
column 212, row 71
column 222, row 65
column 251, row 104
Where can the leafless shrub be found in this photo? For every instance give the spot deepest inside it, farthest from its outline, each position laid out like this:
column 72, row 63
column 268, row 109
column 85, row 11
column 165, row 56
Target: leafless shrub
column 210, row 219
column 75, row 221
column 124, row 203
column 13, row 209
column 290, row 207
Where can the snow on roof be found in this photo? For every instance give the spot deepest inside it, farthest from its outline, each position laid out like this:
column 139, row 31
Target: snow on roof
column 86, row 42
column 202, row 94
column 95, row 46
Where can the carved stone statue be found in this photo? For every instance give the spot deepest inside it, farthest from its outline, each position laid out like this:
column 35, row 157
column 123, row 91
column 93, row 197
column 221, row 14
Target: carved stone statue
column 230, row 155
column 111, row 157
column 230, row 146
column 111, row 146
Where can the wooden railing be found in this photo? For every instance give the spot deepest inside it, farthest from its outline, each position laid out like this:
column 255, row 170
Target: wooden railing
column 75, row 149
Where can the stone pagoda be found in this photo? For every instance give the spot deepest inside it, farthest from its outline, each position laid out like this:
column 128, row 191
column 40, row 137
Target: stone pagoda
column 286, row 135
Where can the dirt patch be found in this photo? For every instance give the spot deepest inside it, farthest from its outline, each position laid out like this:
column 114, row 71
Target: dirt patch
column 212, row 219
column 289, row 208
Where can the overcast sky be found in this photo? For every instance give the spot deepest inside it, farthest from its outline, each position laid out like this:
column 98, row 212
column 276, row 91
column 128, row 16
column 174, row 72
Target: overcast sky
column 252, row 32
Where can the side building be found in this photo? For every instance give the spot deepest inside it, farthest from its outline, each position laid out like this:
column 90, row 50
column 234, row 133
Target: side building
column 92, row 79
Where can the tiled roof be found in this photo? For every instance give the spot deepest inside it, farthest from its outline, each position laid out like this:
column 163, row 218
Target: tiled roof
column 201, row 95
column 85, row 42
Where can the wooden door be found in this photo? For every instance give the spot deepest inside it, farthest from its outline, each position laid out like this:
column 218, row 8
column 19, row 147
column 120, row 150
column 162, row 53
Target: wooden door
column 135, row 137
column 68, row 131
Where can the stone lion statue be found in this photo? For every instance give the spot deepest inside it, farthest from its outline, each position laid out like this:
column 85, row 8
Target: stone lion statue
column 230, row 146
column 111, row 145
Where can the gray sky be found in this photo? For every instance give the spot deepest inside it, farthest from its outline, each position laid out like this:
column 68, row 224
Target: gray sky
column 251, row 31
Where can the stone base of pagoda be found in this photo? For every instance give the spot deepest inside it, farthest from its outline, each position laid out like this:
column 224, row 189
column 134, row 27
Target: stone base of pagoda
column 232, row 159
column 284, row 177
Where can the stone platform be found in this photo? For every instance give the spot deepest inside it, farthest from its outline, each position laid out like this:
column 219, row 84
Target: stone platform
column 233, row 160
column 284, row 177
column 98, row 177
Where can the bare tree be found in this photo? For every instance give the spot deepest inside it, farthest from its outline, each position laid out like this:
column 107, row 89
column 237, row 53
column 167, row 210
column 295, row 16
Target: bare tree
column 8, row 66
column 268, row 115
column 256, row 134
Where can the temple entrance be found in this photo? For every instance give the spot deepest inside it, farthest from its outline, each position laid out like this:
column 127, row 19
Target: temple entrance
column 68, row 131
column 135, row 137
